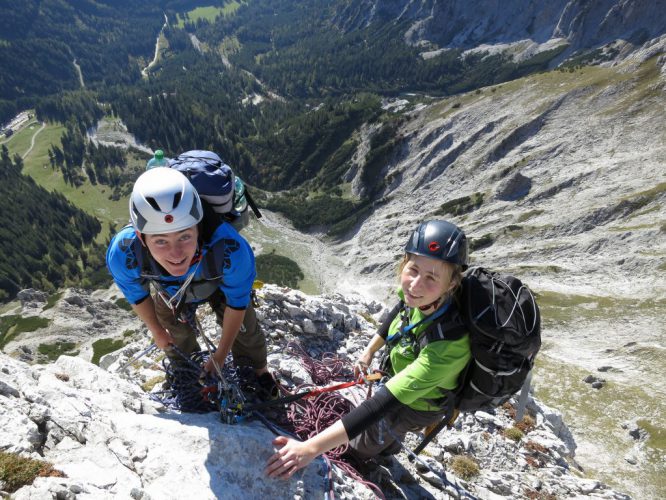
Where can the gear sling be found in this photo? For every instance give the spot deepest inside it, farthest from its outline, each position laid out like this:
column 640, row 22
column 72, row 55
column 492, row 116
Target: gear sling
column 192, row 290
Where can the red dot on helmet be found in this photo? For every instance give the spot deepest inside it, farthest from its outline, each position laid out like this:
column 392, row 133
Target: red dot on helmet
column 433, row 246
column 168, row 219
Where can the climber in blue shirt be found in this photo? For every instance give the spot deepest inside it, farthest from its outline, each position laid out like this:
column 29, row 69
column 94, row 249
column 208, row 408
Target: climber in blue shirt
column 168, row 247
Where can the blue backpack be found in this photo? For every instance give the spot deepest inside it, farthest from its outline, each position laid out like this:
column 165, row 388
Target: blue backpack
column 223, row 195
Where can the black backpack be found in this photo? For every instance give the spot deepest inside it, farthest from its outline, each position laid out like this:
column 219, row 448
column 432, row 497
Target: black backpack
column 502, row 318
column 504, row 324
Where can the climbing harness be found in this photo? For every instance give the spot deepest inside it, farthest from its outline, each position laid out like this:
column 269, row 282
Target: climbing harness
column 173, row 301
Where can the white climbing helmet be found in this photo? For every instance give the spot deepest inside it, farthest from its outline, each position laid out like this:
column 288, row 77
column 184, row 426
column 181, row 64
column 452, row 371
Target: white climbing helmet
column 164, row 201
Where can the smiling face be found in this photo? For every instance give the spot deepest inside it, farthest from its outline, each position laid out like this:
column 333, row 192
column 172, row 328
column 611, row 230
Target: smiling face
column 424, row 281
column 173, row 251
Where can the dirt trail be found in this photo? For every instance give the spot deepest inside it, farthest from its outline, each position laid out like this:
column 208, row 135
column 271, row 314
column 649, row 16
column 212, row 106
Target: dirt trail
column 144, row 71
column 32, row 140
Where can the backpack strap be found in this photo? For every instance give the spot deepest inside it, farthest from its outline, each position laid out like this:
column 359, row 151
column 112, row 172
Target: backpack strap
column 393, row 313
column 145, row 262
column 449, row 327
column 211, row 264
column 213, row 260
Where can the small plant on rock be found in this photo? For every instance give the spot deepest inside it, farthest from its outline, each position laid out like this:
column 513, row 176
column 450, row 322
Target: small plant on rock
column 465, row 467
column 536, row 447
column 123, row 304
column 104, row 346
column 539, row 495
column 368, row 317
column 17, row 471
column 527, row 424
column 513, row 433
column 148, row 385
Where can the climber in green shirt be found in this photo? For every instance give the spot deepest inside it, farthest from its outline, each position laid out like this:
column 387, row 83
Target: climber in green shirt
column 422, row 375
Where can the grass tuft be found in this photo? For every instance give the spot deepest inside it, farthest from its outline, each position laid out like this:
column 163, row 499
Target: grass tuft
column 513, row 433
column 526, row 425
column 148, row 385
column 17, row 471
column 104, row 346
column 368, row 317
column 465, row 467
column 54, row 351
column 30, row 324
column 52, row 300
column 461, row 206
column 123, row 304
column 13, row 325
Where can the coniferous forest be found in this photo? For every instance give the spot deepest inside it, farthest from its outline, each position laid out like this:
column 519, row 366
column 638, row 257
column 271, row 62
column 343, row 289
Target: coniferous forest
column 280, row 89
column 45, row 241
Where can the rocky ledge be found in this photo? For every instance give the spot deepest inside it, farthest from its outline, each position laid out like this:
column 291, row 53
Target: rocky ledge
column 107, row 438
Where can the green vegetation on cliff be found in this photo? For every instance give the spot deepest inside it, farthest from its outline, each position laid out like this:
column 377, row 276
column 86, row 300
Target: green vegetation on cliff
column 48, row 242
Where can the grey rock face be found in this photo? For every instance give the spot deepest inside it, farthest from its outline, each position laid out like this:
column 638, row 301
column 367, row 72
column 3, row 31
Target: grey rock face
column 514, row 24
column 31, row 295
column 514, row 188
column 112, row 441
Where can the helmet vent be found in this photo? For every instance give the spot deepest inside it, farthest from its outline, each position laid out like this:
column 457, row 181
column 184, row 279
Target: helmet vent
column 176, row 199
column 153, row 203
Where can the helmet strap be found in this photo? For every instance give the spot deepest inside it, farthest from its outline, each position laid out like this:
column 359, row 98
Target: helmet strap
column 140, row 237
column 197, row 256
column 434, row 304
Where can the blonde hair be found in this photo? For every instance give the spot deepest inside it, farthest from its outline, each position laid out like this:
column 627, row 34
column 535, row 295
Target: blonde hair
column 455, row 279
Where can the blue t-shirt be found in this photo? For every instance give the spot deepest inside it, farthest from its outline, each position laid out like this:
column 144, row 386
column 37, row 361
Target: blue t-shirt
column 236, row 267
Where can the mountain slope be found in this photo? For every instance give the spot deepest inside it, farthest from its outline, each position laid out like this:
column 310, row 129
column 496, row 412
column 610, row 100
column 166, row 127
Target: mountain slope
column 44, row 238
column 582, row 25
column 558, row 178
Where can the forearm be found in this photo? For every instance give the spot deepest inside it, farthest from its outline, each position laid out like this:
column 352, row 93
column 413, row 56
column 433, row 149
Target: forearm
column 146, row 312
column 369, row 412
column 328, row 439
column 231, row 324
column 375, row 344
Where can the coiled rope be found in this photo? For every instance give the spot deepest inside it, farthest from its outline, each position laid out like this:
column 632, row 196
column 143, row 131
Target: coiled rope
column 308, row 417
column 329, row 368
column 190, row 390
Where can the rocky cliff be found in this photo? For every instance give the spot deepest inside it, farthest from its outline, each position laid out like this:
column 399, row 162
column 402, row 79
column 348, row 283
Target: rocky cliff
column 518, row 28
column 107, row 438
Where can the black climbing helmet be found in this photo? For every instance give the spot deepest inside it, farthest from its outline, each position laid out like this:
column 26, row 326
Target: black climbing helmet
column 440, row 240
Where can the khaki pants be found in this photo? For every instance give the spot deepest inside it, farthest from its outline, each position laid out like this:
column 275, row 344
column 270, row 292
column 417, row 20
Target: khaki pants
column 377, row 441
column 249, row 348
